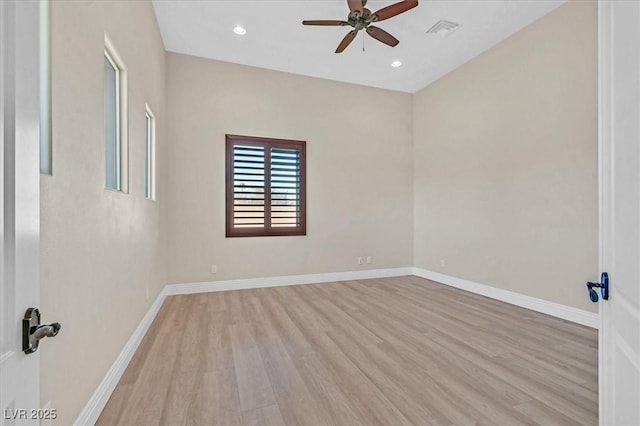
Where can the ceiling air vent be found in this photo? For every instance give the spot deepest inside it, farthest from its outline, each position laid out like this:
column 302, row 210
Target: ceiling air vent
column 443, row 28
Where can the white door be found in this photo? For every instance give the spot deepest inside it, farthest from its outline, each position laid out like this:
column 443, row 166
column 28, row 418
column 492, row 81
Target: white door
column 19, row 213
column 619, row 34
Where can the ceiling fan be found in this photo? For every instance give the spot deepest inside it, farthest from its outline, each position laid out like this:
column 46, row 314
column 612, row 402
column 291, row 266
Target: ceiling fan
column 361, row 18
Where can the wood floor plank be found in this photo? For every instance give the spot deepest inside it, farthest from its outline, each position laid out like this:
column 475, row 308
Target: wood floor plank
column 360, row 395
column 407, row 311
column 437, row 404
column 384, row 373
column 218, row 343
column 338, row 292
column 300, row 309
column 233, row 302
column 149, row 393
column 133, row 369
column 216, row 401
column 537, row 383
column 317, row 375
column 297, row 404
column 566, row 330
column 574, row 400
column 216, row 301
column 401, row 340
column 372, row 405
column 477, row 377
column 488, row 405
column 387, row 351
column 254, row 387
column 334, row 399
column 263, row 416
column 543, row 415
column 189, row 366
column 345, row 322
column 556, row 361
column 294, row 339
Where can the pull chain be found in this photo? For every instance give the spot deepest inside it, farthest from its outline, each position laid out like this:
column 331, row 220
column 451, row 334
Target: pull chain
column 363, row 37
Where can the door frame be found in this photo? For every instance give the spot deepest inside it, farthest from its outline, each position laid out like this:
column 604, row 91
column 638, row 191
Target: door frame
column 606, row 185
column 605, row 75
column 605, row 175
column 20, row 192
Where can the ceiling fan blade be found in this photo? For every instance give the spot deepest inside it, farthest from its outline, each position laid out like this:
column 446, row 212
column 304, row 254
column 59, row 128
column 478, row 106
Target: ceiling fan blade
column 393, row 10
column 326, row 23
column 355, row 5
column 382, row 36
column 346, row 41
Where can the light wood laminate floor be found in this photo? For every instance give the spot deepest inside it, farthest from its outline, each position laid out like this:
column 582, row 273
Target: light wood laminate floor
column 392, row 351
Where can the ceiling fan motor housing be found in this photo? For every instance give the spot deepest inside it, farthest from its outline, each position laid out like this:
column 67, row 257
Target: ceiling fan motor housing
column 358, row 21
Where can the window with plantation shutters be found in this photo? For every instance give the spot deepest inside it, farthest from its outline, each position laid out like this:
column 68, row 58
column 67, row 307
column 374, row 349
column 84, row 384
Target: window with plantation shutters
column 265, row 187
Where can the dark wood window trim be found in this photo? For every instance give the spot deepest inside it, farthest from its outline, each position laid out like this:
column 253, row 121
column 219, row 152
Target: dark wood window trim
column 266, row 228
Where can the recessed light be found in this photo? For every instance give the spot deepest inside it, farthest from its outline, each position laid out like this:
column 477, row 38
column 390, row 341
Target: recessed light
column 396, row 64
column 239, row 30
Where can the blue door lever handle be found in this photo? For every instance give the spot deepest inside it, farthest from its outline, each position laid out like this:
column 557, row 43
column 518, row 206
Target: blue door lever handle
column 603, row 285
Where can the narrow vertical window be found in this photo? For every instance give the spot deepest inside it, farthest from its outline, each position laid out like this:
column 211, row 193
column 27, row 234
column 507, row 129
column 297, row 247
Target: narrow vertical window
column 112, row 122
column 115, row 120
column 45, row 87
column 150, row 155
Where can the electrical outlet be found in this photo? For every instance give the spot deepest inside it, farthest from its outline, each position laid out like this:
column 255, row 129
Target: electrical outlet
column 442, row 263
column 147, row 293
column 214, row 269
column 360, row 261
column 368, row 260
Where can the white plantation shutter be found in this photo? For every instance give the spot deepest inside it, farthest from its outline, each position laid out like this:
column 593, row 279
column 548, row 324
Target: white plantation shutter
column 265, row 187
column 285, row 187
column 248, row 186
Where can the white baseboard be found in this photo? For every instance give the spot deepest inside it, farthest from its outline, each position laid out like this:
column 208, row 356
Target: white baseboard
column 205, row 287
column 100, row 397
column 590, row 319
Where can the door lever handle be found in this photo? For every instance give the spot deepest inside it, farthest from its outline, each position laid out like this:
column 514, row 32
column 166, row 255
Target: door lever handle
column 33, row 331
column 43, row 331
column 603, row 285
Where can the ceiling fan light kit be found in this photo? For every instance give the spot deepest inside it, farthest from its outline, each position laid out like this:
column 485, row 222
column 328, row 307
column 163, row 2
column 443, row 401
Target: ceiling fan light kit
column 361, row 18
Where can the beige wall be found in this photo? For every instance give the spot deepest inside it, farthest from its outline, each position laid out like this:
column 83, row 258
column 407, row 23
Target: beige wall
column 506, row 179
column 359, row 170
column 100, row 250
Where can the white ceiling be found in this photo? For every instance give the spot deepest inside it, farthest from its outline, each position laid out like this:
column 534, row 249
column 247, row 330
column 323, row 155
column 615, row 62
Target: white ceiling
column 277, row 40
